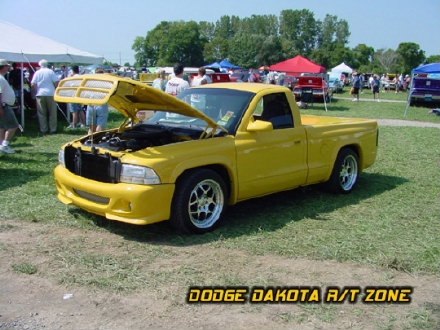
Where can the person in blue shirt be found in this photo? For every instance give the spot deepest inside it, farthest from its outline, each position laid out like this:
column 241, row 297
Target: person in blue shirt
column 356, row 86
column 375, row 87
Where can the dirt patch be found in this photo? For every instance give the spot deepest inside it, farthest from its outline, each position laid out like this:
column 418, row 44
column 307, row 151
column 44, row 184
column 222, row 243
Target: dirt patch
column 46, row 299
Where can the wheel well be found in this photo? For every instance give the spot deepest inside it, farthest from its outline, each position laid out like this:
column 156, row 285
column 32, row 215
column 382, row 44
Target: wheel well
column 219, row 169
column 355, row 148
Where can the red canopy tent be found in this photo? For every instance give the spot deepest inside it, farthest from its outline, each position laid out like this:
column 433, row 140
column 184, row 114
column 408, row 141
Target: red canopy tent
column 297, row 65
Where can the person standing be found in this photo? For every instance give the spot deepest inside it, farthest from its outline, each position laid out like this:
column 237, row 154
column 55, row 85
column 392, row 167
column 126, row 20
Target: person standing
column 97, row 115
column 43, row 85
column 375, row 86
column 8, row 122
column 160, row 82
column 201, row 78
column 15, row 77
column 177, row 84
column 252, row 77
column 356, row 86
column 78, row 116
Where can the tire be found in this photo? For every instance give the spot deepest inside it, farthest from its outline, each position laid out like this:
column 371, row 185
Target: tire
column 345, row 172
column 199, row 202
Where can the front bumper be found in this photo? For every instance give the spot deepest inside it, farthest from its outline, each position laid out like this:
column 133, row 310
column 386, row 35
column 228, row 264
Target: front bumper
column 131, row 203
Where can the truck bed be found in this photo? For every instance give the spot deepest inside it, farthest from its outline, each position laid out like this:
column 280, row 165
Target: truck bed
column 327, row 135
column 311, row 120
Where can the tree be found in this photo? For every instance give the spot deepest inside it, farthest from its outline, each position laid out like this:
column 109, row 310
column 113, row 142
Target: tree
column 410, row 56
column 298, row 29
column 170, row 42
column 243, row 49
column 139, row 47
column 432, row 59
column 215, row 50
column 330, row 59
column 363, row 55
column 387, row 59
column 266, row 25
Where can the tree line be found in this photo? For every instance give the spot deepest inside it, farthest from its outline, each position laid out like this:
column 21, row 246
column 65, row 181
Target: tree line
column 267, row 39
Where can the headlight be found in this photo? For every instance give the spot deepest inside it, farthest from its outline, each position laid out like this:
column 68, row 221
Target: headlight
column 138, row 175
column 61, row 157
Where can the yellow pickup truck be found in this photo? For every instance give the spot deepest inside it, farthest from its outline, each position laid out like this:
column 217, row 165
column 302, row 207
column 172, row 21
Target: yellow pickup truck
column 209, row 147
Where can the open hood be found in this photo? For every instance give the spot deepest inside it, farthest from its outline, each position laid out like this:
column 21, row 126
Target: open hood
column 126, row 95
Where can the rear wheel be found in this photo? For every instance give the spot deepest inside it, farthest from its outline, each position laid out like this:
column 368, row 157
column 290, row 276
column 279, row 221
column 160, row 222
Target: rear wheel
column 199, row 201
column 345, row 172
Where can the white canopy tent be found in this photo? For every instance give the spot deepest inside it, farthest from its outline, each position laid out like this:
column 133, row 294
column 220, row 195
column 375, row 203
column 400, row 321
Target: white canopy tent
column 23, row 46
column 342, row 68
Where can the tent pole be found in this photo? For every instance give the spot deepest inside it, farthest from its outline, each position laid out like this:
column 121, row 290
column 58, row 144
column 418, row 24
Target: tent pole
column 22, row 97
column 323, row 93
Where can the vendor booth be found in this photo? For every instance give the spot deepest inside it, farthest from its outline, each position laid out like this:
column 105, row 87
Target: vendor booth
column 298, row 65
column 23, row 46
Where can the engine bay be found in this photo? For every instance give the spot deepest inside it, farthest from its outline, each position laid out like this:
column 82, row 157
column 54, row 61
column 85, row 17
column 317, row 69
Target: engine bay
column 139, row 137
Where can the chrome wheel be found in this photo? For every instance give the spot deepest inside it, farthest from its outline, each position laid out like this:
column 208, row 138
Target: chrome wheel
column 206, row 203
column 349, row 172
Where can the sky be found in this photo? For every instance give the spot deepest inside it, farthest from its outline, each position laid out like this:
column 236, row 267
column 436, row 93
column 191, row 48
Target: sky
column 109, row 27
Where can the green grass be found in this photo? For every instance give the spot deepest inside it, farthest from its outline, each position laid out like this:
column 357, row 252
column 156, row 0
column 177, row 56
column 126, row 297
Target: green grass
column 25, row 268
column 390, row 220
column 343, row 106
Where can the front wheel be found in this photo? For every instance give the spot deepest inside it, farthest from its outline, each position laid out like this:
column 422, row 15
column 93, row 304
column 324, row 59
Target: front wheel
column 345, row 172
column 199, row 201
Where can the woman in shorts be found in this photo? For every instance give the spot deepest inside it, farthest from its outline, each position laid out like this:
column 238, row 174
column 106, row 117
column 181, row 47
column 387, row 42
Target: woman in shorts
column 97, row 115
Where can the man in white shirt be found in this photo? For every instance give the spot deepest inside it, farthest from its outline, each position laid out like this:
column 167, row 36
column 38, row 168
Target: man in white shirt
column 8, row 122
column 177, row 84
column 43, row 85
column 201, row 79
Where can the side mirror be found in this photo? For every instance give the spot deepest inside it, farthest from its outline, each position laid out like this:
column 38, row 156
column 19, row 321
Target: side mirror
column 260, row 126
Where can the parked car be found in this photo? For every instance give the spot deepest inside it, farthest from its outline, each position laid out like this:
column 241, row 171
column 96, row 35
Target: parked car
column 203, row 150
column 216, row 77
column 426, row 89
column 335, row 85
column 312, row 86
column 243, row 76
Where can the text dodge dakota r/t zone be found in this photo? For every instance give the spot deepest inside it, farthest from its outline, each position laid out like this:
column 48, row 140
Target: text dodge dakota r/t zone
column 210, row 147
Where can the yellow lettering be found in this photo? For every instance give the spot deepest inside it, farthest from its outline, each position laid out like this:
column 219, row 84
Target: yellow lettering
column 332, row 295
column 194, row 295
column 370, row 293
column 281, row 295
column 268, row 296
column 257, row 295
column 315, row 296
column 292, row 295
column 403, row 297
column 206, row 295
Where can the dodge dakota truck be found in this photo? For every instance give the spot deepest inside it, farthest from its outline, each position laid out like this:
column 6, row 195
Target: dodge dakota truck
column 210, row 147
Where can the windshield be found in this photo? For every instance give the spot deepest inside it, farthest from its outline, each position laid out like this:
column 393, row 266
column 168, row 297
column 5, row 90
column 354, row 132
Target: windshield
column 224, row 106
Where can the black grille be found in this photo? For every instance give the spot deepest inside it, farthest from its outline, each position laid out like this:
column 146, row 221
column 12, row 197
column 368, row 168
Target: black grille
column 92, row 165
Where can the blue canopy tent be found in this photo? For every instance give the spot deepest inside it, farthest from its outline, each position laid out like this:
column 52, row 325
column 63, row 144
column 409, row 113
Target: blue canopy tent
column 428, row 68
column 214, row 65
column 228, row 65
column 431, row 68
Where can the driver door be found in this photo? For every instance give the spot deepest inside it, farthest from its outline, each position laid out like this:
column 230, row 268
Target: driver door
column 271, row 152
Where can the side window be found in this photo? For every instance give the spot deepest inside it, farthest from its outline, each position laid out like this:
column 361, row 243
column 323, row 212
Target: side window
column 259, row 109
column 276, row 109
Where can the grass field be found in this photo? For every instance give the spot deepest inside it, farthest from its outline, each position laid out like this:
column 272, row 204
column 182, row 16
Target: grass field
column 343, row 106
column 390, row 220
column 389, row 224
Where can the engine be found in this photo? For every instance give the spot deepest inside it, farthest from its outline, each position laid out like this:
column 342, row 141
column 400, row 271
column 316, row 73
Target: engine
column 135, row 138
